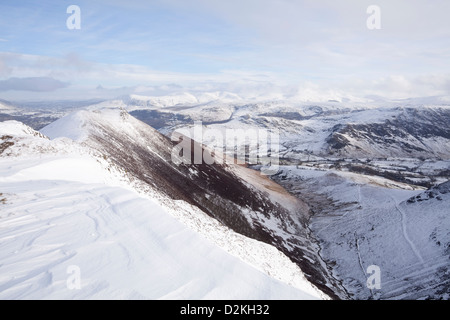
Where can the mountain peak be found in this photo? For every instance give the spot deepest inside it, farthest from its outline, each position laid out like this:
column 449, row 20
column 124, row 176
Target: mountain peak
column 17, row 129
column 237, row 197
column 78, row 125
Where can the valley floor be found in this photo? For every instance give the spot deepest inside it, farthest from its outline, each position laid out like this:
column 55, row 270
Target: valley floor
column 361, row 221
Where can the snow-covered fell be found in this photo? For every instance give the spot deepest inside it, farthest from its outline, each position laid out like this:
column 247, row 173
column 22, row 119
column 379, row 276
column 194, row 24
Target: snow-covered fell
column 256, row 209
column 180, row 99
column 357, row 130
column 362, row 221
column 65, row 203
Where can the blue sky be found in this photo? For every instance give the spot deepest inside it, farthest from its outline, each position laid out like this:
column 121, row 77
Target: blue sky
column 309, row 45
column 153, row 35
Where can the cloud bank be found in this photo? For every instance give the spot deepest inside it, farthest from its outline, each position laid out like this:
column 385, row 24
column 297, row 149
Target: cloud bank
column 34, row 84
column 320, row 48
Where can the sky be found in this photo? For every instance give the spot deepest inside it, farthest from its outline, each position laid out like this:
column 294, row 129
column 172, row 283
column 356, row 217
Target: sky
column 313, row 49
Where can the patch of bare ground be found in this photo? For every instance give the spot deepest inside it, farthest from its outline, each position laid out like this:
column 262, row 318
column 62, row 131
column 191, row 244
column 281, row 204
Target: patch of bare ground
column 5, row 143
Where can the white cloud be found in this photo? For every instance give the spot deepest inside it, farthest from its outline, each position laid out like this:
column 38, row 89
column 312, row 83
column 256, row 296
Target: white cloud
column 322, row 46
column 116, row 80
column 331, row 36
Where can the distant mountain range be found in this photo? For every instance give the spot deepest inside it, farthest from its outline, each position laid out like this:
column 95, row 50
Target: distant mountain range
column 359, row 184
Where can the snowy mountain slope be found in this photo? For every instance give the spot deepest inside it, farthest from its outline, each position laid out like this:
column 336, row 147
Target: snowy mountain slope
column 125, row 244
column 253, row 207
column 17, row 139
column 163, row 101
column 406, row 129
column 360, row 222
column 420, row 132
column 122, row 250
column 328, row 129
column 179, row 99
column 365, row 132
column 18, row 129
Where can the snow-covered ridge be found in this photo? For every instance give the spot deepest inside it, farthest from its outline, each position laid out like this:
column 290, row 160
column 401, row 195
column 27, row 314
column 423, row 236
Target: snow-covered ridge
column 301, row 97
column 180, row 99
column 68, row 183
column 146, row 155
column 18, row 129
column 365, row 131
column 410, row 128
